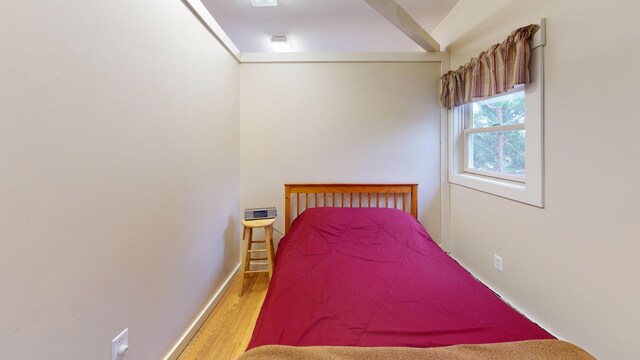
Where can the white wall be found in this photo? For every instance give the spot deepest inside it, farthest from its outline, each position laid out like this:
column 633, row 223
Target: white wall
column 341, row 123
column 119, row 172
column 573, row 265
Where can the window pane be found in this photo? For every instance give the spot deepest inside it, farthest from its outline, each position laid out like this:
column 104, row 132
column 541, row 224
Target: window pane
column 501, row 152
column 500, row 110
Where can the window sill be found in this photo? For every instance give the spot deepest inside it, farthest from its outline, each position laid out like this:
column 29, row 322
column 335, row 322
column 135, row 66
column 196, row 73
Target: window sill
column 504, row 188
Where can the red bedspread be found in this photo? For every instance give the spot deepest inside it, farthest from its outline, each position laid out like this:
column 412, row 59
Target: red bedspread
column 374, row 277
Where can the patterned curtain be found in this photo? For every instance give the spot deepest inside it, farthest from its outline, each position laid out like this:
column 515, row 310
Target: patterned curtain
column 493, row 72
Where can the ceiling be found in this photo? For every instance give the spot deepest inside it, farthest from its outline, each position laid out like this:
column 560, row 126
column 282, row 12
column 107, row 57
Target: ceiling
column 322, row 25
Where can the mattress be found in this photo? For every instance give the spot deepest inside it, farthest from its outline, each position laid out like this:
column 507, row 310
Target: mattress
column 373, row 277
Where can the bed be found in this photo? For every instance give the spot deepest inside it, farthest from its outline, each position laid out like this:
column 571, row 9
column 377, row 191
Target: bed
column 357, row 273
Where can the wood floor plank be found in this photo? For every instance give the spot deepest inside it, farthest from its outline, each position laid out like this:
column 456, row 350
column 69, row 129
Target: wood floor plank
column 227, row 331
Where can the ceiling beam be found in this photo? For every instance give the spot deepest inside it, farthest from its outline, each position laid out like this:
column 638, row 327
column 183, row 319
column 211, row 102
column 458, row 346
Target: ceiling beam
column 405, row 23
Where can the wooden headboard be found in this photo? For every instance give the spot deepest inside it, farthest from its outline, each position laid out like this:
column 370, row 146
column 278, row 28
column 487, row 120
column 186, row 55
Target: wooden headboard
column 304, row 196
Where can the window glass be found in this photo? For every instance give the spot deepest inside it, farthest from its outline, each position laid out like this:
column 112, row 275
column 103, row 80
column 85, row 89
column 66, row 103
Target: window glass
column 498, row 151
column 500, row 110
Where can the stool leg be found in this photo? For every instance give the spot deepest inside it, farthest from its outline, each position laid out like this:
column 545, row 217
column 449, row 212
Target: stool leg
column 268, row 234
column 246, row 258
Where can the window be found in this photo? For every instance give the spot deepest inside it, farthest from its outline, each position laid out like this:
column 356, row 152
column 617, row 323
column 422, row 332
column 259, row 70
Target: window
column 496, row 144
column 494, row 136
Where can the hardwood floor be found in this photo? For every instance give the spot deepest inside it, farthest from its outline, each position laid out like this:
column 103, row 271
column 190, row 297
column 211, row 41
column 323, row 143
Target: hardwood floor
column 227, row 331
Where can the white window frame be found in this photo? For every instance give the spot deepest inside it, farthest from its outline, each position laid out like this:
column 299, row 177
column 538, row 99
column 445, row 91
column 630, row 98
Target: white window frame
column 530, row 189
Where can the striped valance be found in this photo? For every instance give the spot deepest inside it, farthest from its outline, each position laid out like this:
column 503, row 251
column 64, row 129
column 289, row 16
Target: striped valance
column 493, row 72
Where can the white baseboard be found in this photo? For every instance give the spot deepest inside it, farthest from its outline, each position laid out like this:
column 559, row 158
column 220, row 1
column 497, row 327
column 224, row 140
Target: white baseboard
column 508, row 301
column 200, row 319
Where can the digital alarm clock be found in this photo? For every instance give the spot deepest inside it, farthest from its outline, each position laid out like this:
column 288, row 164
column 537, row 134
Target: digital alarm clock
column 260, row 213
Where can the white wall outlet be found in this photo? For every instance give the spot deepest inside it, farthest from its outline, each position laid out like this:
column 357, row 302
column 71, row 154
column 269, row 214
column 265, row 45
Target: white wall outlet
column 497, row 262
column 120, row 345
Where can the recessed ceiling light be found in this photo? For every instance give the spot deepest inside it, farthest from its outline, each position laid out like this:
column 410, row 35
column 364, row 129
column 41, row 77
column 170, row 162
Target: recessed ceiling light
column 281, row 44
column 264, row 2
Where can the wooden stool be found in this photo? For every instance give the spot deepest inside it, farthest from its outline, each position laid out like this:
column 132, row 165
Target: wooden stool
column 247, row 237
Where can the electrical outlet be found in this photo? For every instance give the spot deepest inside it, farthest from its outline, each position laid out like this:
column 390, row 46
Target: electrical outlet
column 120, row 345
column 497, row 262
